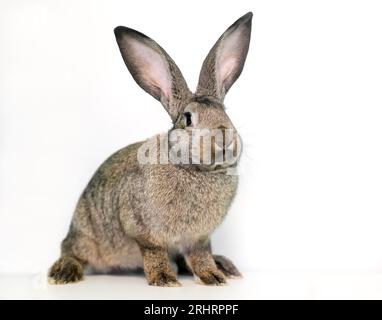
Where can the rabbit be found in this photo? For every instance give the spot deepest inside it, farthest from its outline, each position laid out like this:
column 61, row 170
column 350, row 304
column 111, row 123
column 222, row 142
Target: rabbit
column 154, row 216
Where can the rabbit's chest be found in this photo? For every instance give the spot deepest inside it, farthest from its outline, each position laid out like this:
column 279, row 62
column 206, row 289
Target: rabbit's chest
column 184, row 204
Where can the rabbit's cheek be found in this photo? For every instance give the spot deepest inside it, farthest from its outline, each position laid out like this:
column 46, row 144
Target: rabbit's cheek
column 179, row 146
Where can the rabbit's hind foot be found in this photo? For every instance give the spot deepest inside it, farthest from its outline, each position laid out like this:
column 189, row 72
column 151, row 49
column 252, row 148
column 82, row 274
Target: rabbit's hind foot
column 66, row 270
column 226, row 266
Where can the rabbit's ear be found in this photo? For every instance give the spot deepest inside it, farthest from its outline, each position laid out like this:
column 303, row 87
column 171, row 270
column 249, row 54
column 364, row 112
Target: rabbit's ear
column 153, row 69
column 225, row 61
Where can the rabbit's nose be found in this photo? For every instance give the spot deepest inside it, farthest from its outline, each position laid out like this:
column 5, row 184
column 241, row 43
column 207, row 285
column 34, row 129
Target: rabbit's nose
column 225, row 139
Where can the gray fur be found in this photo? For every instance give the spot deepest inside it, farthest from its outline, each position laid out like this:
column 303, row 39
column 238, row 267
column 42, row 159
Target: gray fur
column 134, row 215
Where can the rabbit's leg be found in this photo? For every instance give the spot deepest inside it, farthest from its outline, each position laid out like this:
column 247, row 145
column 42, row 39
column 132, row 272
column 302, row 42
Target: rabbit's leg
column 156, row 265
column 203, row 266
column 75, row 251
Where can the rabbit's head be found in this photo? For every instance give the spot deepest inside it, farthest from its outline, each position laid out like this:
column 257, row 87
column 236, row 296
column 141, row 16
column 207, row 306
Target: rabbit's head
column 202, row 131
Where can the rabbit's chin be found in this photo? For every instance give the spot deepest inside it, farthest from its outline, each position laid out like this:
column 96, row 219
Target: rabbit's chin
column 213, row 167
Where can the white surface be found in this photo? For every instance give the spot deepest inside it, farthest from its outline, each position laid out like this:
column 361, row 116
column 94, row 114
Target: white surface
column 308, row 106
column 255, row 285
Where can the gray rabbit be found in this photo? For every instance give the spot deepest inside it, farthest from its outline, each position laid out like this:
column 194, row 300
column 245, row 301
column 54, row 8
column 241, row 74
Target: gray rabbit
column 159, row 216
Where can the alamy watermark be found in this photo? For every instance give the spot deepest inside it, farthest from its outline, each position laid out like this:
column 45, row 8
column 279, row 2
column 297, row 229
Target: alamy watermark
column 216, row 148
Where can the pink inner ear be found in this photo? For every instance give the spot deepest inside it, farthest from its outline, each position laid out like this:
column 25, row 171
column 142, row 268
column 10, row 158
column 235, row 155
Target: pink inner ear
column 229, row 55
column 153, row 67
column 226, row 68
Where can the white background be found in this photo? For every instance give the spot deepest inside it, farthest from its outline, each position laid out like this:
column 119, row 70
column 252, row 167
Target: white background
column 308, row 106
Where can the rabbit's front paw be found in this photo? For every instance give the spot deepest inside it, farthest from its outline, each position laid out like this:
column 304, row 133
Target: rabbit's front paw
column 162, row 279
column 212, row 277
column 65, row 270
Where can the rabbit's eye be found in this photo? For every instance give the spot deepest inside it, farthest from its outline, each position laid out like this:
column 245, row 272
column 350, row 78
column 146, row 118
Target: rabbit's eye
column 187, row 118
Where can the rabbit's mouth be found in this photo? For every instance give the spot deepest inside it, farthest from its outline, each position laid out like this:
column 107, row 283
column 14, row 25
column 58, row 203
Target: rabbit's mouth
column 217, row 168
